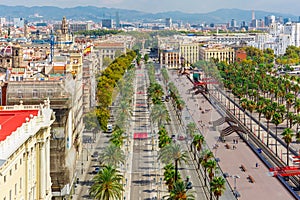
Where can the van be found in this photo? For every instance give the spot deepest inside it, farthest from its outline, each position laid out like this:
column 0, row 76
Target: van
column 109, row 128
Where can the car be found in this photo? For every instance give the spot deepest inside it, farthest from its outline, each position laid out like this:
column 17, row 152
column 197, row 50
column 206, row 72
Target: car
column 96, row 170
column 109, row 128
column 95, row 154
column 181, row 137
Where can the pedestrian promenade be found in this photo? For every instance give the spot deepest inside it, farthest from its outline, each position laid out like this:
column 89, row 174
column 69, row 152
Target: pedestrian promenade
column 246, row 173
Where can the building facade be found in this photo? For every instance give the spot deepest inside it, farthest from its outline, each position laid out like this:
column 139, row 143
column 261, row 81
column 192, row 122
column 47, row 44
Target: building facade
column 217, row 52
column 25, row 152
column 170, row 58
column 189, row 53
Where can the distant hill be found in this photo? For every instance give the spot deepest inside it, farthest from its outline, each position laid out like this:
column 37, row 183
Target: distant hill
column 85, row 13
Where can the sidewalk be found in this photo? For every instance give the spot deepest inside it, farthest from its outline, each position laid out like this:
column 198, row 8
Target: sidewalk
column 231, row 159
column 83, row 164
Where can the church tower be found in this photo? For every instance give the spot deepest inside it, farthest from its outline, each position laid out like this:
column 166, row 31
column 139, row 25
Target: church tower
column 16, row 56
column 64, row 26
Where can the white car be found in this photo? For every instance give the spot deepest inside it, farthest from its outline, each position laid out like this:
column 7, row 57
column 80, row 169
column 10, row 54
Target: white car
column 109, row 128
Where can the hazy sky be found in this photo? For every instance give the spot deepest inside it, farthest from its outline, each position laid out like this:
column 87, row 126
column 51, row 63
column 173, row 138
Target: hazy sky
column 154, row 6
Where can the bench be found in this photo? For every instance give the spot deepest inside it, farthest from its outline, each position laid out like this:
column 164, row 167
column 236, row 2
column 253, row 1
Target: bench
column 251, row 179
column 227, row 146
column 243, row 168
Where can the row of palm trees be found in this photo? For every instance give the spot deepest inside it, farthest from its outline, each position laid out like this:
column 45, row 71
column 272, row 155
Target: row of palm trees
column 108, row 182
column 206, row 160
column 172, row 155
column 262, row 92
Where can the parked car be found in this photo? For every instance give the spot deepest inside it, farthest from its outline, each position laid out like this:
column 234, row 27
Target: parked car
column 181, row 137
column 95, row 154
column 96, row 170
column 109, row 128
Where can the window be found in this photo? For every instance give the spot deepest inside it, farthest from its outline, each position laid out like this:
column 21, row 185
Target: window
column 20, row 94
column 10, row 197
column 16, row 166
column 20, row 183
column 21, row 161
column 10, row 172
column 34, row 93
column 4, row 179
column 50, row 93
column 16, row 188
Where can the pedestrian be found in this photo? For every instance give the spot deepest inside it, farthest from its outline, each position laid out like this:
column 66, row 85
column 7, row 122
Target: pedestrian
column 237, row 141
column 233, row 141
column 256, row 165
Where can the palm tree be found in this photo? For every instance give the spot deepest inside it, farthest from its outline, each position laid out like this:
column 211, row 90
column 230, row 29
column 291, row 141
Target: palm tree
column 112, row 155
column 290, row 118
column 268, row 111
column 169, row 175
column 197, row 142
column 288, row 135
column 217, row 186
column 107, row 184
column 243, row 103
column 191, row 129
column 297, row 121
column 160, row 114
column 251, row 107
column 179, row 192
column 211, row 165
column 124, row 107
column 117, row 137
column 163, row 138
column 277, row 119
column 206, row 156
column 289, row 98
column 173, row 153
column 260, row 105
column 155, row 92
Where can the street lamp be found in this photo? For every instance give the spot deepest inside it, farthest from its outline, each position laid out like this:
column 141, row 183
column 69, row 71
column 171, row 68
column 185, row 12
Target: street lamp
column 87, row 158
column 234, row 179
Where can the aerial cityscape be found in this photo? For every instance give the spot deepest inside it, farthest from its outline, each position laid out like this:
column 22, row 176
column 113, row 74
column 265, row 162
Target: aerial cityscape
column 122, row 100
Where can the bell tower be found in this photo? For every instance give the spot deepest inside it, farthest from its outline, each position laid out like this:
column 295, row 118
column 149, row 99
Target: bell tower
column 64, row 26
column 16, row 56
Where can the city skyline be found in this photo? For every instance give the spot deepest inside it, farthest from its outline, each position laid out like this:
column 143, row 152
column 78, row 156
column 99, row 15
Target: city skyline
column 189, row 6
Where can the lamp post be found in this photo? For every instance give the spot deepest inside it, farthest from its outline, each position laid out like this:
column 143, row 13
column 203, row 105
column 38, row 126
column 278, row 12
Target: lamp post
column 234, row 179
column 87, row 158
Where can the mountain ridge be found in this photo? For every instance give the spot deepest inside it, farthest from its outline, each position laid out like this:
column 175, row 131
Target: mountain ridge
column 85, row 13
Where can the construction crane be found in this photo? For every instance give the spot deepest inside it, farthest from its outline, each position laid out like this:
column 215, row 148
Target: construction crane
column 52, row 43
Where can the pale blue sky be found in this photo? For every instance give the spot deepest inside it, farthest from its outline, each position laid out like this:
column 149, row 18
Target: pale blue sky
column 154, row 6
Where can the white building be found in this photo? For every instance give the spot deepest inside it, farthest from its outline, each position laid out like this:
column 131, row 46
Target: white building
column 25, row 152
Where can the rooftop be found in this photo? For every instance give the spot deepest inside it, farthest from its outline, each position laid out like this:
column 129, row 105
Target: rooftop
column 10, row 120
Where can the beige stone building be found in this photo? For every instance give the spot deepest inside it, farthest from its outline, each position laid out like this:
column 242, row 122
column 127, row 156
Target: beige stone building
column 218, row 52
column 25, row 151
column 170, row 58
column 189, row 53
column 109, row 49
